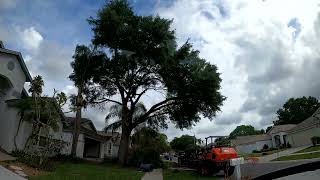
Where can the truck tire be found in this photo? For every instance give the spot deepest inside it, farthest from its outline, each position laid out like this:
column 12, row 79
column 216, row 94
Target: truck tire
column 230, row 171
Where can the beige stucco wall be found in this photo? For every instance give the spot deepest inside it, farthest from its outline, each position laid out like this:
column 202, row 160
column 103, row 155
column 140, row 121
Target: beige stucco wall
column 303, row 138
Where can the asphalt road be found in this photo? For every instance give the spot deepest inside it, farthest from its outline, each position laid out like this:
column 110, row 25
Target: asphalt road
column 259, row 169
column 309, row 175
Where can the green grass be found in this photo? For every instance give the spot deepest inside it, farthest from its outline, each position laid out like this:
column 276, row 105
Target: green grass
column 246, row 156
column 309, row 149
column 84, row 171
column 184, row 175
column 298, row 156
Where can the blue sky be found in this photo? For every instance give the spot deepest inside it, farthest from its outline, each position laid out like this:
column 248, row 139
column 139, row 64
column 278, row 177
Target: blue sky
column 264, row 52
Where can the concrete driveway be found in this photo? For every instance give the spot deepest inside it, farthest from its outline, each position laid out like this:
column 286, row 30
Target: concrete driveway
column 5, row 174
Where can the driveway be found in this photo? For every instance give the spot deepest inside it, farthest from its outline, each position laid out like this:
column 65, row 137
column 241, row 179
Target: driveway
column 5, row 174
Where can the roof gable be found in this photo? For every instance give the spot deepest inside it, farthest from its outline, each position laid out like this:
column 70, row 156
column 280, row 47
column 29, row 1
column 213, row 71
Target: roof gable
column 281, row 128
column 20, row 60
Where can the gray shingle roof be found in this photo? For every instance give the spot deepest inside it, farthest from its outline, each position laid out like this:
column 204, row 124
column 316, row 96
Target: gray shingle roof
column 312, row 121
column 281, row 128
column 242, row 140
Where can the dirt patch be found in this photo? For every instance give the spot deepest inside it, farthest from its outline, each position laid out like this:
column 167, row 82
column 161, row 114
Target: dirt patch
column 30, row 171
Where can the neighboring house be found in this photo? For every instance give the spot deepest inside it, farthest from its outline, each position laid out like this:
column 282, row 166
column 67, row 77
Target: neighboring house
column 247, row 144
column 13, row 75
column 301, row 134
column 294, row 134
column 279, row 134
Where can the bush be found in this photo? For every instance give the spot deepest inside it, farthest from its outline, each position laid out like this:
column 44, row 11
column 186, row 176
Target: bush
column 265, row 147
column 289, row 145
column 315, row 140
column 256, row 151
column 34, row 160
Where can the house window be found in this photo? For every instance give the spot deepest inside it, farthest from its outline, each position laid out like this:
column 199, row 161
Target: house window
column 277, row 140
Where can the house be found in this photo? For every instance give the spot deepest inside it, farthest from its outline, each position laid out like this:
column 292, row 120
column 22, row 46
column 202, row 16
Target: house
column 279, row 134
column 13, row 75
column 247, row 144
column 301, row 134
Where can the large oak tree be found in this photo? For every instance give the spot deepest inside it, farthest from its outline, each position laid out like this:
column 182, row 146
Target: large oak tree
column 296, row 110
column 144, row 57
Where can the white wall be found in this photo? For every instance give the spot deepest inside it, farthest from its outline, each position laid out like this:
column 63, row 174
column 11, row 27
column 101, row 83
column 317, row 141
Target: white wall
column 9, row 117
column 114, row 149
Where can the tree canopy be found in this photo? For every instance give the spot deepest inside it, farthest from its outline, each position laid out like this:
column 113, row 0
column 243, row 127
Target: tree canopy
column 185, row 143
column 296, row 110
column 245, row 130
column 144, row 58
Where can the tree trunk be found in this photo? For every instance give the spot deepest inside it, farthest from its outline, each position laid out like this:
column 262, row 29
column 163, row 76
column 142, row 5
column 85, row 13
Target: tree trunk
column 124, row 145
column 76, row 129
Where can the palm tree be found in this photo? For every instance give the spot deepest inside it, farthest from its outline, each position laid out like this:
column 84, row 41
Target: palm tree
column 84, row 64
column 115, row 114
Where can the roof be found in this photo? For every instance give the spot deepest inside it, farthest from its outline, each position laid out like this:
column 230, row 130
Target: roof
column 281, row 128
column 20, row 59
column 71, row 120
column 242, row 140
column 312, row 121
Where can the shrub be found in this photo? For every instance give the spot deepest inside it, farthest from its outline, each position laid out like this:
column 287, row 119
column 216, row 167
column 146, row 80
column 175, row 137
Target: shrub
column 256, row 151
column 289, row 145
column 265, row 147
column 35, row 161
column 315, row 140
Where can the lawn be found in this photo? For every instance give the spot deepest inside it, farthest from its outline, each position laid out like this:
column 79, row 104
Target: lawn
column 184, row 175
column 298, row 156
column 309, row 149
column 83, row 171
column 246, row 156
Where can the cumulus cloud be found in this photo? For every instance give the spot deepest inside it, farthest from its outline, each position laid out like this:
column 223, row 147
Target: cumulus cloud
column 266, row 54
column 31, row 38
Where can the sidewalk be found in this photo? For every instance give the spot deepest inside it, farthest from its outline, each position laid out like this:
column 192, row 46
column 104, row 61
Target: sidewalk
column 154, row 175
column 286, row 152
column 5, row 174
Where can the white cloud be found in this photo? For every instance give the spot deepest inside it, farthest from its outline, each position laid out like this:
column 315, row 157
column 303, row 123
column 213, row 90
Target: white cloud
column 31, row 38
column 261, row 63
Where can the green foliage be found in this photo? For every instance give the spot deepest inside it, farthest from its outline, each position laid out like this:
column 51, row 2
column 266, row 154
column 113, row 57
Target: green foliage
column 145, row 57
column 315, row 140
column 268, row 128
column 147, row 145
column 33, row 160
column 222, row 141
column 185, row 143
column 244, row 130
column 36, row 86
column 296, row 110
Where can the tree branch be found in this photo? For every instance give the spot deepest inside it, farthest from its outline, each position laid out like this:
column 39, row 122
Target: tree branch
column 107, row 100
